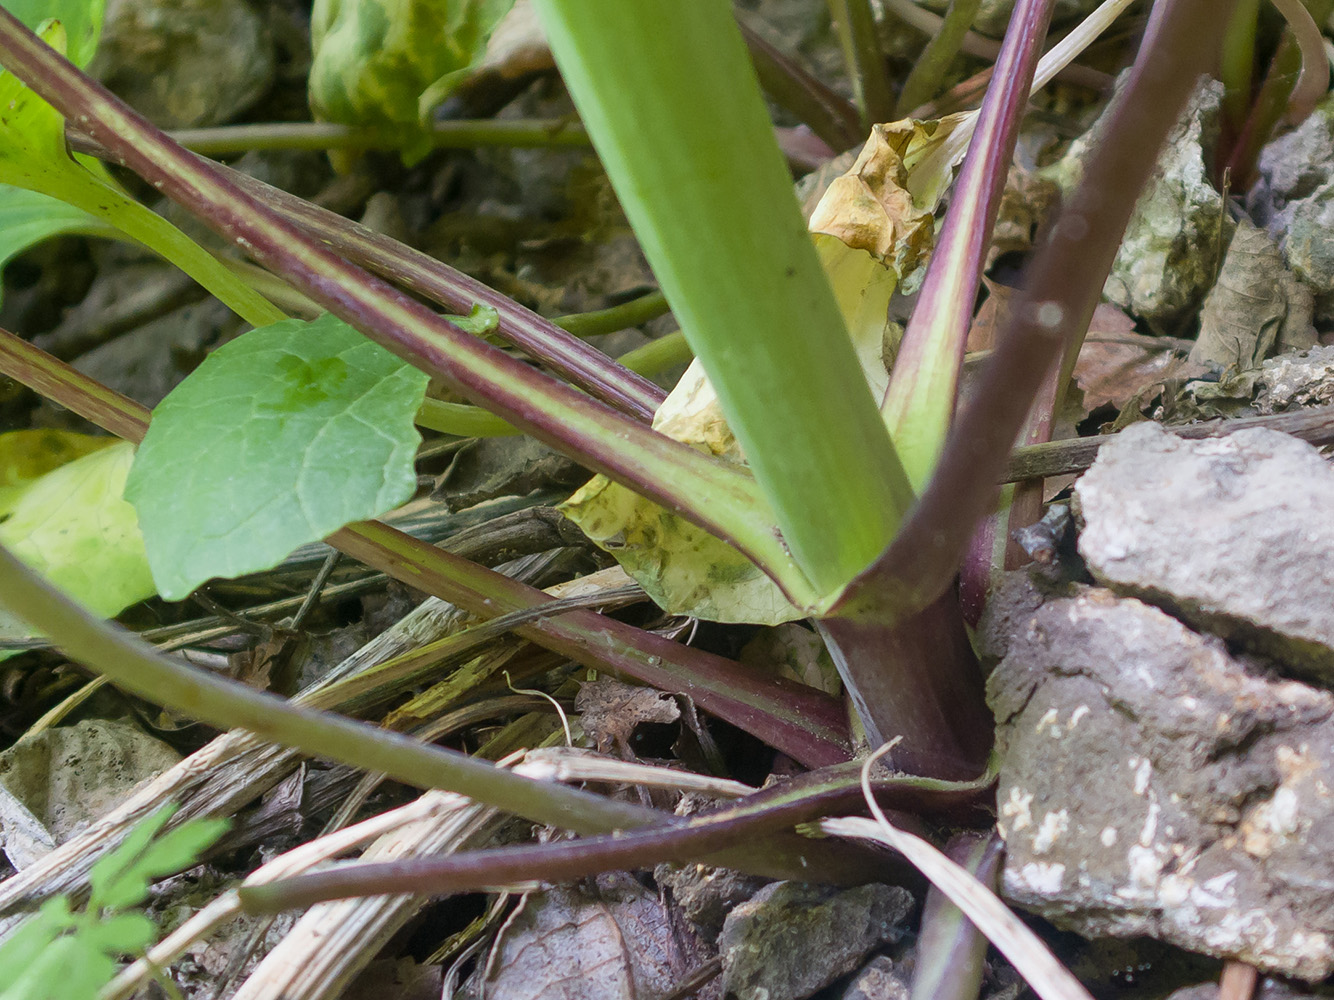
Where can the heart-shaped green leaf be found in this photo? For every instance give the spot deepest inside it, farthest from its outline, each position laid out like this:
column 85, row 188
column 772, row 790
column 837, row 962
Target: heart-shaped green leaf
column 278, row 439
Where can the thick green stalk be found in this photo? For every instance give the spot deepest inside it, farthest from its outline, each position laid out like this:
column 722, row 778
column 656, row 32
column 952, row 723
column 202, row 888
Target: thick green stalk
column 676, row 114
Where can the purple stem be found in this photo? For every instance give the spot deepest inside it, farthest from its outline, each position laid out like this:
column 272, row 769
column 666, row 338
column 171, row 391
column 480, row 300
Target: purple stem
column 568, row 356
column 715, row 837
column 940, row 322
column 1062, row 286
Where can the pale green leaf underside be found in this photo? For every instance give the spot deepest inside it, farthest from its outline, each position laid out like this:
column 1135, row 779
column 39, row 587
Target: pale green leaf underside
column 73, row 527
column 278, row 439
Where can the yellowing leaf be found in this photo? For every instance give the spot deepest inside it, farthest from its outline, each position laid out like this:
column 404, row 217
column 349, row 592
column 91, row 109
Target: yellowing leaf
column 684, row 569
column 26, row 456
column 73, row 526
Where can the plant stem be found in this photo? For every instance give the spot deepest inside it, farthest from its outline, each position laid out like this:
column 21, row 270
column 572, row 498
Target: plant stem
column 916, row 679
column 461, row 419
column 751, row 298
column 952, row 952
column 828, row 114
column 658, row 355
column 1237, row 69
column 794, row 718
column 136, row 667
column 709, row 837
column 229, row 140
column 802, row 722
column 636, row 312
column 1061, row 287
column 919, row 403
column 710, row 493
column 543, row 340
column 1313, row 82
column 871, row 90
column 929, row 70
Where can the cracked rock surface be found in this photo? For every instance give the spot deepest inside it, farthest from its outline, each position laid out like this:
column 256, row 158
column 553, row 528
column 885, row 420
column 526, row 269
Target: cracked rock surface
column 1154, row 784
column 791, row 939
column 1230, row 534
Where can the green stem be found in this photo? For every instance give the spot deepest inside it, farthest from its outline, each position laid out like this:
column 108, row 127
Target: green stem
column 658, row 355
column 1237, row 68
column 929, row 70
column 855, row 23
column 462, row 420
column 636, row 312
column 153, row 231
column 229, row 140
column 136, row 667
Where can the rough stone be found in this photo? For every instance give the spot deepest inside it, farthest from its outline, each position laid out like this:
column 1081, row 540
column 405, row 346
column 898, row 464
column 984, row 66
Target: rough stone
column 1166, row 262
column 185, row 62
column 1291, row 381
column 56, row 782
column 791, row 939
column 1154, row 784
column 878, row 979
column 1294, row 200
column 706, row 895
column 1231, row 534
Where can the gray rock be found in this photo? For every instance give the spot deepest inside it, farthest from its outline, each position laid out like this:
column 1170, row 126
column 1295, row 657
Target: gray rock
column 1294, row 200
column 1232, row 534
column 1292, row 381
column 1153, row 784
column 54, row 783
column 185, row 62
column 791, row 939
column 1168, row 258
column 706, row 895
column 879, row 979
column 1296, row 165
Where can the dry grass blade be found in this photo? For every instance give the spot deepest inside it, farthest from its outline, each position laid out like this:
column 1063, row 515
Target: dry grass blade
column 1034, row 961
column 571, row 764
column 332, row 942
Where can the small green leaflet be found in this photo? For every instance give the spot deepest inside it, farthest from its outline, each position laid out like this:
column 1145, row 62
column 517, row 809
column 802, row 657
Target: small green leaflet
column 278, row 439
column 34, row 156
column 58, row 954
column 27, row 217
